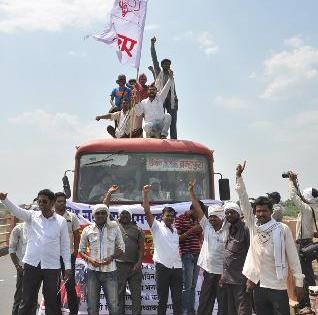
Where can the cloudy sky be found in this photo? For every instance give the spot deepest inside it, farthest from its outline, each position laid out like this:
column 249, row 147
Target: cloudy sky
column 246, row 76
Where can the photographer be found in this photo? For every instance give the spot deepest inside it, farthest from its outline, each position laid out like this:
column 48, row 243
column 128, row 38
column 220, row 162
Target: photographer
column 305, row 227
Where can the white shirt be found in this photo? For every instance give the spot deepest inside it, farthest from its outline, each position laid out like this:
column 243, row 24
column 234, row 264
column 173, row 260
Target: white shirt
column 18, row 241
column 212, row 250
column 73, row 225
column 127, row 122
column 264, row 252
column 153, row 110
column 166, row 245
column 47, row 239
column 102, row 243
column 305, row 214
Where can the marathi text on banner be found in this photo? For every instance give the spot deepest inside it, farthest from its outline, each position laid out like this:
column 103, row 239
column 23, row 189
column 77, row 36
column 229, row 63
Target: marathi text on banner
column 125, row 29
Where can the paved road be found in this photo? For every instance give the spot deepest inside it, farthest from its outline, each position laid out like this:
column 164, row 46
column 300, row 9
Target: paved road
column 7, row 284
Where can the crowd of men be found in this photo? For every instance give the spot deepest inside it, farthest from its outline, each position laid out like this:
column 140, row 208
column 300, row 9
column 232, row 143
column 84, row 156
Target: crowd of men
column 244, row 253
column 134, row 101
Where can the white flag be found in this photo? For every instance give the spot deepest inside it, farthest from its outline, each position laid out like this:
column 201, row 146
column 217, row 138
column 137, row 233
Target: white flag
column 125, row 30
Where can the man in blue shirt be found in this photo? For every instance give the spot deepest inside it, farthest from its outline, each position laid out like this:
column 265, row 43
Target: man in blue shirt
column 119, row 94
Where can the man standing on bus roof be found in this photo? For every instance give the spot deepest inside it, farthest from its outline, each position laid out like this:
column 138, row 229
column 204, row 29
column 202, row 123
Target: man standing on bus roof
column 162, row 76
column 105, row 243
column 119, row 94
column 129, row 264
column 73, row 226
column 47, row 241
column 157, row 123
column 166, row 257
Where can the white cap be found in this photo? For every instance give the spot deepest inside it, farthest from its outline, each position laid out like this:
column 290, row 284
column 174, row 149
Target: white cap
column 100, row 207
column 232, row 206
column 307, row 193
column 217, row 211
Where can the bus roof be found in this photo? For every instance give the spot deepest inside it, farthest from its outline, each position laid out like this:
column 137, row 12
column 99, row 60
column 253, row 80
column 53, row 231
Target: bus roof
column 142, row 145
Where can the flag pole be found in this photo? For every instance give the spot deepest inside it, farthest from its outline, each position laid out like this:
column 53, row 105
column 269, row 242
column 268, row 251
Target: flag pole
column 133, row 109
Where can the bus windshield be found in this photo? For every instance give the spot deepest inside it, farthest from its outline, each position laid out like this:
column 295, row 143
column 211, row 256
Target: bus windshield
column 167, row 173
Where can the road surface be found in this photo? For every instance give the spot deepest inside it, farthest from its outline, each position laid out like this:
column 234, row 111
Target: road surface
column 7, row 284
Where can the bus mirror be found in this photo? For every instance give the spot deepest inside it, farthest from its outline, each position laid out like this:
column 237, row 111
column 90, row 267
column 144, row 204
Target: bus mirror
column 66, row 187
column 224, row 189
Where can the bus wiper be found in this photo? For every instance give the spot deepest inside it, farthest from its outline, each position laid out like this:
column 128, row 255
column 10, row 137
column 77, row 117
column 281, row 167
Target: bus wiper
column 106, row 159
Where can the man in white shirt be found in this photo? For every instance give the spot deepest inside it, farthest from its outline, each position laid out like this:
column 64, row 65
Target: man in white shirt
column 105, row 243
column 156, row 121
column 215, row 233
column 17, row 245
column 128, row 123
column 47, row 241
column 73, row 226
column 305, row 228
column 272, row 251
column 166, row 257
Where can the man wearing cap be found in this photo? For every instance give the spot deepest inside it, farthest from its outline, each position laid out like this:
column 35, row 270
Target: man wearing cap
column 105, row 243
column 166, row 256
column 272, row 251
column 129, row 264
column 239, row 302
column 305, row 227
column 119, row 94
column 215, row 234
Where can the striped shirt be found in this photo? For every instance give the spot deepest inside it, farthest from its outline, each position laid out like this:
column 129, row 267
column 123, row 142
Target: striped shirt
column 192, row 244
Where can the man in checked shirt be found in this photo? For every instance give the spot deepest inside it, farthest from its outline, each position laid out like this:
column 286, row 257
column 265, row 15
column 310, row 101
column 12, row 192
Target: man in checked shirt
column 190, row 233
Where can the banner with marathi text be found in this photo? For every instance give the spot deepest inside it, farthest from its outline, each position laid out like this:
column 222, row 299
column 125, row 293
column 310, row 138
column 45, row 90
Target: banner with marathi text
column 149, row 296
column 125, row 29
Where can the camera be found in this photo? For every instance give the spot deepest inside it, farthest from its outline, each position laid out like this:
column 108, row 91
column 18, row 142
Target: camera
column 286, row 174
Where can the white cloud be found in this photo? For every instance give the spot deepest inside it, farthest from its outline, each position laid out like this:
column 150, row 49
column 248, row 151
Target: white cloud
column 207, row 44
column 252, row 75
column 301, row 128
column 40, row 148
column 203, row 39
column 51, row 15
column 296, row 41
column 230, row 102
column 150, row 27
column 59, row 125
column 289, row 71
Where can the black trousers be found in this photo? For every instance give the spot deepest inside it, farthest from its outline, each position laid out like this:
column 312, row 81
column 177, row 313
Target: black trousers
column 133, row 278
column 239, row 302
column 210, row 290
column 308, row 271
column 270, row 301
column 32, row 279
column 72, row 298
column 169, row 278
column 18, row 296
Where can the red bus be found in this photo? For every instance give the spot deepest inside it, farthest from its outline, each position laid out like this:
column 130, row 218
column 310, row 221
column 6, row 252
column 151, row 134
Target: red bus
column 168, row 165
